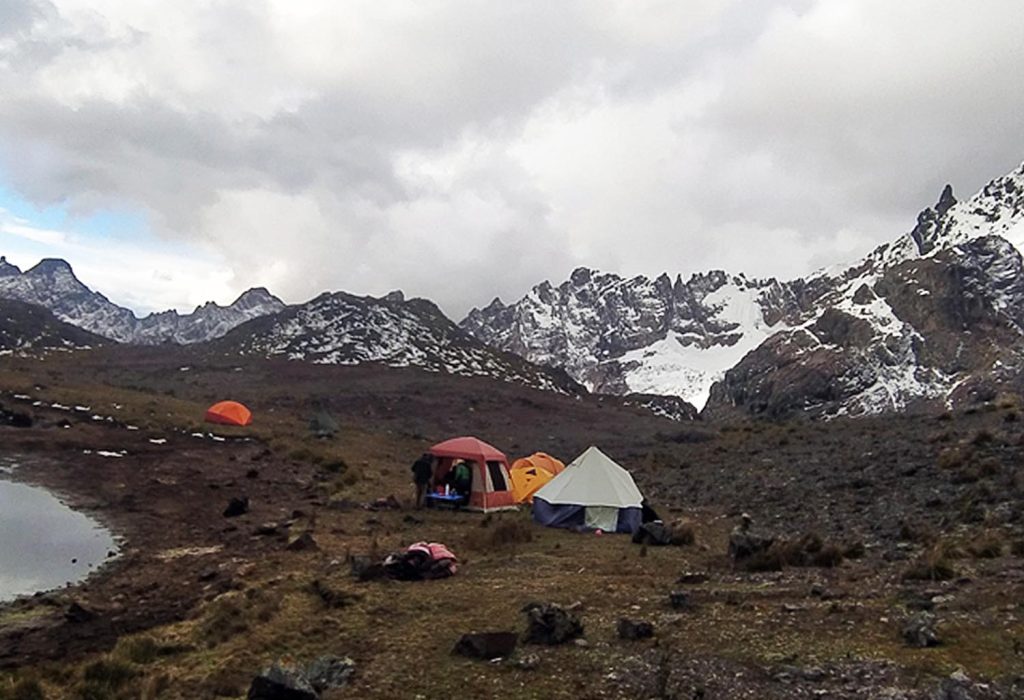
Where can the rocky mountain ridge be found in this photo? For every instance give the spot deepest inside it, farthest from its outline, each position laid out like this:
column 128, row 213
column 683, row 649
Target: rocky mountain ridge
column 30, row 330
column 846, row 339
column 343, row 329
column 52, row 284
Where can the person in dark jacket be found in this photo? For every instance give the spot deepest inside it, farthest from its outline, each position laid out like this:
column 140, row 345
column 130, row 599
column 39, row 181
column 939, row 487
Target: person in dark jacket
column 422, row 471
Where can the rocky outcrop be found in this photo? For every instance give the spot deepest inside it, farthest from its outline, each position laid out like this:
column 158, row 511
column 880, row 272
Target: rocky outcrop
column 922, row 332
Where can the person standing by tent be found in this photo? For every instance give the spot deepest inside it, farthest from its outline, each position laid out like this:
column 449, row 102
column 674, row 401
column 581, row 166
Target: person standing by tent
column 422, row 471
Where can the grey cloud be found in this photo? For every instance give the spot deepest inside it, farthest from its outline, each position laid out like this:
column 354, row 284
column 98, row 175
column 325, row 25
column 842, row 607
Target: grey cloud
column 727, row 134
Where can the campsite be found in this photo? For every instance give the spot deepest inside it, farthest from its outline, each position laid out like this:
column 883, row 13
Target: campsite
column 197, row 604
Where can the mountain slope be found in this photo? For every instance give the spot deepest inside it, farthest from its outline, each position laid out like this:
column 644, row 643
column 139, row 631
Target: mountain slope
column 53, row 285
column 339, row 328
column 26, row 329
column 845, row 339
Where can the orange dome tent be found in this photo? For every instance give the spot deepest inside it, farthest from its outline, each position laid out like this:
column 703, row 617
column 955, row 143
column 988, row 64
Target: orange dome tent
column 530, row 473
column 228, row 413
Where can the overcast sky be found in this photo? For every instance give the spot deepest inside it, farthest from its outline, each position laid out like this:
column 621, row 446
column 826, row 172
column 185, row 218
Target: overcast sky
column 178, row 152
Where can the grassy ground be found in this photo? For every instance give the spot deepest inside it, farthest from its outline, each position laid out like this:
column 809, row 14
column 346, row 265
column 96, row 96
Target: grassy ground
column 743, row 627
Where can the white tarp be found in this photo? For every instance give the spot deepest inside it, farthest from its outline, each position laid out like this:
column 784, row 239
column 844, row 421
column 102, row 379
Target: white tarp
column 592, row 479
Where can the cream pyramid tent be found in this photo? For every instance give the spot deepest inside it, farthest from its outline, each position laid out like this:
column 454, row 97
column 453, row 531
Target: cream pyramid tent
column 592, row 492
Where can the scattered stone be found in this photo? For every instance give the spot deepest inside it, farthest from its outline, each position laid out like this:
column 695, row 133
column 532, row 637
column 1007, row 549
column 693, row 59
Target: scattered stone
column 236, row 507
column 634, row 629
column 527, row 662
column 207, row 575
column 813, row 674
column 547, row 623
column 919, row 631
column 582, row 643
column 266, row 529
column 78, row 613
column 486, row 645
column 302, row 543
column 680, row 600
column 389, row 503
column 692, row 577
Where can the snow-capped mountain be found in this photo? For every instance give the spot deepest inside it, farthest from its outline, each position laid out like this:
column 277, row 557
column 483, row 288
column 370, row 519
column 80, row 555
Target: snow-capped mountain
column 845, row 339
column 339, row 328
column 53, row 285
column 29, row 329
column 639, row 335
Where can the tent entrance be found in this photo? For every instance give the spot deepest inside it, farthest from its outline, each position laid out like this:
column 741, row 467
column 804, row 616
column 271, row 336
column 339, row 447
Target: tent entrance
column 601, row 518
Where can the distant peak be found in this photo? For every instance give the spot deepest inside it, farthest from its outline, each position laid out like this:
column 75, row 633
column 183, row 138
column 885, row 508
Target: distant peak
column 7, row 269
column 51, row 266
column 256, row 295
column 946, row 200
column 580, row 275
column 395, row 296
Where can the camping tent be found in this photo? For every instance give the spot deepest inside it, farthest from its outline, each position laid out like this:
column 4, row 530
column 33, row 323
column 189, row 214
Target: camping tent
column 228, row 413
column 593, row 492
column 530, row 473
column 491, row 488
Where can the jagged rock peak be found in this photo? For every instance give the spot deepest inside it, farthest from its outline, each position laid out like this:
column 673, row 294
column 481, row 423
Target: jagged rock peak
column 7, row 269
column 946, row 200
column 396, row 296
column 580, row 276
column 50, row 266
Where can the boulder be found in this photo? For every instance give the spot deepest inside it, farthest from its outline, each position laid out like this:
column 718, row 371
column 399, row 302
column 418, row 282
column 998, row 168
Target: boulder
column 236, row 507
column 328, row 672
column 547, row 623
column 680, row 600
column 486, row 645
column 634, row 629
column 302, row 543
column 919, row 631
column 282, row 683
column 745, row 543
column 77, row 613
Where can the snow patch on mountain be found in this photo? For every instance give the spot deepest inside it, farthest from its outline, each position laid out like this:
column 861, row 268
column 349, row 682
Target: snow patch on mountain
column 682, row 365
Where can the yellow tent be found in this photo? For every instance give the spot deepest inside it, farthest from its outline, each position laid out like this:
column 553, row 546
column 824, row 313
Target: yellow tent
column 530, row 473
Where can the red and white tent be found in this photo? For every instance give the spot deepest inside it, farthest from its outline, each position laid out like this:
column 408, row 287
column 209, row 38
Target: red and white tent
column 491, row 488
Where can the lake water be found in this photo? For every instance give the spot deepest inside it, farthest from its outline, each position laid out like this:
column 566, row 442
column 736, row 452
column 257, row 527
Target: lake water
column 43, row 543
